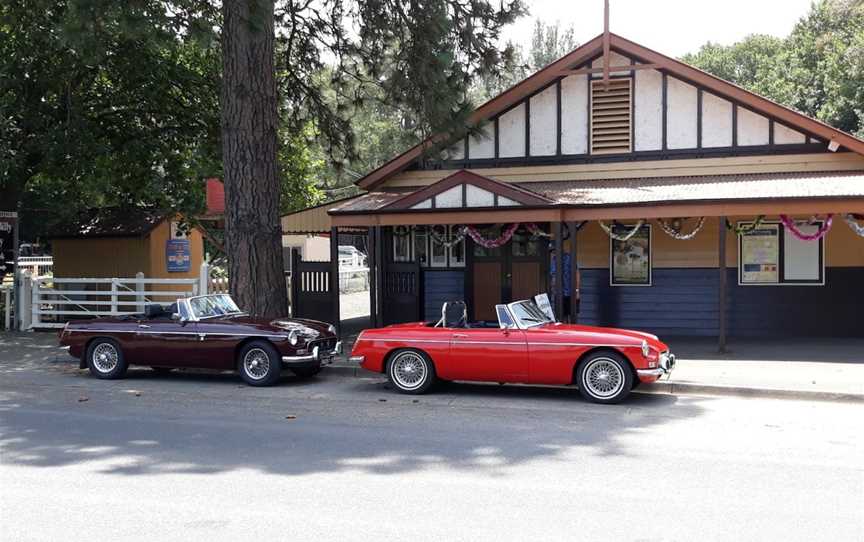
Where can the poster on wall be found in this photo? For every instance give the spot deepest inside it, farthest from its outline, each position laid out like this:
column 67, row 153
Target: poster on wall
column 178, row 256
column 760, row 255
column 630, row 263
column 8, row 222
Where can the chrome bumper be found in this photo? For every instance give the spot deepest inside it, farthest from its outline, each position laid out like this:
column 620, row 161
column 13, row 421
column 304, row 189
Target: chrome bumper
column 315, row 355
column 667, row 363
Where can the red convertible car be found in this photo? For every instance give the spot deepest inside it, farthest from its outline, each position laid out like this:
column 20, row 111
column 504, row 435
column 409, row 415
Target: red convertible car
column 208, row 332
column 523, row 346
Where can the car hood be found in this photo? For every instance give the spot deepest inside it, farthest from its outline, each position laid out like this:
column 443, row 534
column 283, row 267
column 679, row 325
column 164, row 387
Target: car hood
column 308, row 330
column 600, row 335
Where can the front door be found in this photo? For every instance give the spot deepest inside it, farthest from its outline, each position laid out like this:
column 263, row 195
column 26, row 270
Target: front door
column 514, row 271
column 489, row 354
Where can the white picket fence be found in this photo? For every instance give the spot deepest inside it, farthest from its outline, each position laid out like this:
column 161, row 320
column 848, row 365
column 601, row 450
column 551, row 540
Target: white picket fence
column 38, row 266
column 52, row 299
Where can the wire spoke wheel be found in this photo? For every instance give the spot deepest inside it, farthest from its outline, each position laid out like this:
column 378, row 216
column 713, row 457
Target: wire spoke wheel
column 603, row 378
column 105, row 357
column 409, row 370
column 256, row 364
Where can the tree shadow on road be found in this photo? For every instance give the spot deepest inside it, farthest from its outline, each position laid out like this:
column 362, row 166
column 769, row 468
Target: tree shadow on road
column 204, row 423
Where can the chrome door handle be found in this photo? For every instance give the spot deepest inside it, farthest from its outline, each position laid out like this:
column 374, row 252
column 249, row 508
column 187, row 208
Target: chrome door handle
column 459, row 336
column 143, row 326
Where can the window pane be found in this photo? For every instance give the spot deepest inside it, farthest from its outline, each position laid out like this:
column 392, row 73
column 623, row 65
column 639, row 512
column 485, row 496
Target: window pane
column 457, row 251
column 421, row 248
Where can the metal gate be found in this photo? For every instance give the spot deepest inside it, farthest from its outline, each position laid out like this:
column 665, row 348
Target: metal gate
column 310, row 290
column 401, row 293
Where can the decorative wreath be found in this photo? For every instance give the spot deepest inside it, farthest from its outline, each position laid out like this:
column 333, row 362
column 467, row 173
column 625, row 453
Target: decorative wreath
column 742, row 229
column 674, row 230
column 503, row 239
column 626, row 237
column 852, row 220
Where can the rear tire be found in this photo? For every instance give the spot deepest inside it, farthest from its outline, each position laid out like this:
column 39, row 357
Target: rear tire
column 411, row 371
column 105, row 359
column 259, row 363
column 604, row 377
column 306, row 372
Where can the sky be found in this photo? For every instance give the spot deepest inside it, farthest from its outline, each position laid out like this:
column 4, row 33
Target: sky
column 671, row 27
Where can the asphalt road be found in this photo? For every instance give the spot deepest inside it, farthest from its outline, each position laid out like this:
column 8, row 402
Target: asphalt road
column 202, row 457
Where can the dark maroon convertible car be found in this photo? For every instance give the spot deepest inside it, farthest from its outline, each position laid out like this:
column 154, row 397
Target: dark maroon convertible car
column 208, row 332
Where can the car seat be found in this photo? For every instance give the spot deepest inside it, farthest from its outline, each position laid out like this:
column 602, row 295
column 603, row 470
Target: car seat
column 454, row 314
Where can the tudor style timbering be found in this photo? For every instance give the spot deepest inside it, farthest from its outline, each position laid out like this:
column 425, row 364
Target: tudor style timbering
column 668, row 115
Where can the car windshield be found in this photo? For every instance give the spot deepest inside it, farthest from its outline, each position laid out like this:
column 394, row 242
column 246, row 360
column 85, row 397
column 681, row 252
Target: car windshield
column 210, row 306
column 529, row 314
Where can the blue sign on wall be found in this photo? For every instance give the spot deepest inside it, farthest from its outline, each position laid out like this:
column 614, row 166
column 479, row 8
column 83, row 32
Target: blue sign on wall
column 179, row 256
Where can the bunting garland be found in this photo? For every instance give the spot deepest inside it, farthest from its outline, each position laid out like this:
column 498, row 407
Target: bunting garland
column 503, row 239
column 792, row 228
column 622, row 238
column 675, row 233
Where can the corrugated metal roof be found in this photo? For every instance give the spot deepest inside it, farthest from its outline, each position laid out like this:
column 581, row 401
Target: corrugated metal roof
column 702, row 188
column 647, row 190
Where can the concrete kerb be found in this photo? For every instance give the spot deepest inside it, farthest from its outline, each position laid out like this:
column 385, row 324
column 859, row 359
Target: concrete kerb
column 671, row 387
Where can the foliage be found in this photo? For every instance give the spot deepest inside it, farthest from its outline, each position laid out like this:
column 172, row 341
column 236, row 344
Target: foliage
column 106, row 104
column 818, row 69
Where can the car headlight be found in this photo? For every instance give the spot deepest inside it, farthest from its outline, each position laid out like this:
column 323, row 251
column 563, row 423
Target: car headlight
column 292, row 337
column 645, row 348
column 331, row 329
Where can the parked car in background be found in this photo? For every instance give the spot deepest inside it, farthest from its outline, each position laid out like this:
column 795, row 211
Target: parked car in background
column 351, row 257
column 524, row 346
column 208, row 332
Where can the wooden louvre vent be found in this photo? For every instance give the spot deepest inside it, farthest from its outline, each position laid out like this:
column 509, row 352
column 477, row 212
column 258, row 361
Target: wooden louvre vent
column 610, row 116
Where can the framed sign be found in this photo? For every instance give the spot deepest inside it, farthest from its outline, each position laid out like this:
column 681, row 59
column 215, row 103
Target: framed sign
column 630, row 260
column 760, row 255
column 769, row 255
column 178, row 256
column 8, row 242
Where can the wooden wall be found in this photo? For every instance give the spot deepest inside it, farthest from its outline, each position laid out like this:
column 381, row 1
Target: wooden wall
column 842, row 247
column 100, row 258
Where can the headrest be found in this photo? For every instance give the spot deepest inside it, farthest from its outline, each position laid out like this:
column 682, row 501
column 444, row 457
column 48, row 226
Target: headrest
column 454, row 314
column 153, row 310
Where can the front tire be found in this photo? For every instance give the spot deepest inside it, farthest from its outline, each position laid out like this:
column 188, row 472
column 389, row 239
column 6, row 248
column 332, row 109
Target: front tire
column 105, row 359
column 259, row 363
column 604, row 377
column 411, row 371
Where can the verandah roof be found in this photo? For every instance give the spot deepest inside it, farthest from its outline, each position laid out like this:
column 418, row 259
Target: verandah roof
column 710, row 195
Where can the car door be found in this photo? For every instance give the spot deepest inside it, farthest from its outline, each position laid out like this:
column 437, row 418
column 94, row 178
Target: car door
column 166, row 341
column 489, row 354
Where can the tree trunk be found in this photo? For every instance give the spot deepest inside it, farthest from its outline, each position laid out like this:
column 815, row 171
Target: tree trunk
column 253, row 233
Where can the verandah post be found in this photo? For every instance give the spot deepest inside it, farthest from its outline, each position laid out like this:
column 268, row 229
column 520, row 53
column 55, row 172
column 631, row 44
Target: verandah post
column 334, row 275
column 559, row 272
column 574, row 274
column 721, row 266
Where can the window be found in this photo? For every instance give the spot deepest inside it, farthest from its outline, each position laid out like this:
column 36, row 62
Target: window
column 457, row 251
column 630, row 260
column 403, row 244
column 421, row 245
column 610, row 116
column 769, row 255
column 438, row 252
column 504, row 319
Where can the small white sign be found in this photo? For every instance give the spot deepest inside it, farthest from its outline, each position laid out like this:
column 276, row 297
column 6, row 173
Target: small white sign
column 542, row 301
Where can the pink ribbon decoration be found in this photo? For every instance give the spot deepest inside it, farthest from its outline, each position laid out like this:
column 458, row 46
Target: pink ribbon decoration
column 791, row 227
column 503, row 239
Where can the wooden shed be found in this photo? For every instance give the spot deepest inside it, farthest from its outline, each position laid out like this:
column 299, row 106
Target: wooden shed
column 123, row 242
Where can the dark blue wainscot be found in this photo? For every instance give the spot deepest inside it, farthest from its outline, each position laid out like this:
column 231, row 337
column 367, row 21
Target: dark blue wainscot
column 684, row 302
column 440, row 286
